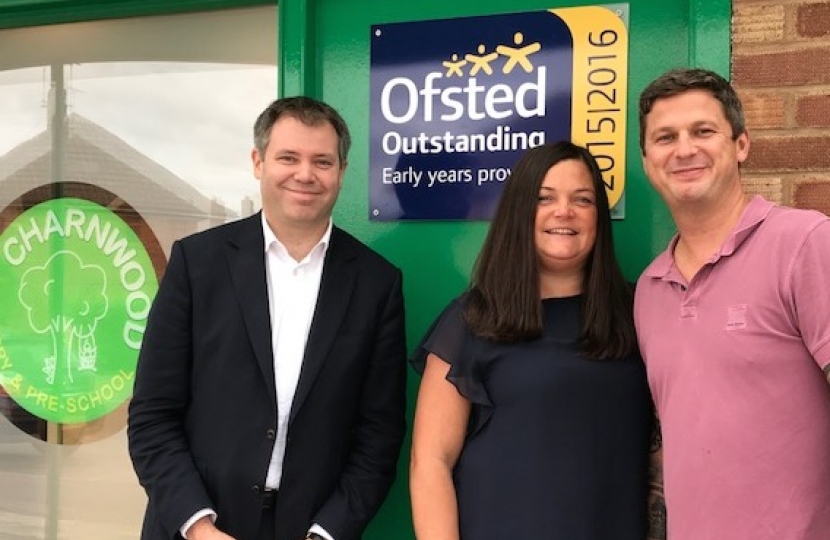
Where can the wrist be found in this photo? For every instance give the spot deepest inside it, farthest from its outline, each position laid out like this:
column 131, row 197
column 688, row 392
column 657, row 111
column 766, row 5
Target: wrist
column 200, row 528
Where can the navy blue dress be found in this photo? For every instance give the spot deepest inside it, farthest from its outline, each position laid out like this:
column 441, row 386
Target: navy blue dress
column 557, row 446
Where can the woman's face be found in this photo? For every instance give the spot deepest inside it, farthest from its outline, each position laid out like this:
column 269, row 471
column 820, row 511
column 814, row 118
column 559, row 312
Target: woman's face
column 566, row 218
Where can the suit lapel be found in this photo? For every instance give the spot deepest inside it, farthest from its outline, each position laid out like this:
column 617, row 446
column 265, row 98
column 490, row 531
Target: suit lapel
column 246, row 260
column 337, row 284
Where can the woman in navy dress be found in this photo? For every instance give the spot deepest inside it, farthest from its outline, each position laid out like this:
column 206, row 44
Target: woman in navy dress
column 534, row 415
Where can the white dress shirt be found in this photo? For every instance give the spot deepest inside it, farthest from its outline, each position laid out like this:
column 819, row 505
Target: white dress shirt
column 292, row 296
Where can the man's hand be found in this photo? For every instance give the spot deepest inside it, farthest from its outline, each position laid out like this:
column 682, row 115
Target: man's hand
column 204, row 529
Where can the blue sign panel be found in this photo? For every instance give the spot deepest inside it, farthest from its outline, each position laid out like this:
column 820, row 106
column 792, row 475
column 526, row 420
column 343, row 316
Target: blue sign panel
column 455, row 102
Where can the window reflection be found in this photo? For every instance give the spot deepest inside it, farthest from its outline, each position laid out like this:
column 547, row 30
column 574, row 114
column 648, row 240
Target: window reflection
column 152, row 118
column 172, row 138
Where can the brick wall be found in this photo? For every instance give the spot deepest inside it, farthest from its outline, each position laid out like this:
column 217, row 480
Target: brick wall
column 781, row 69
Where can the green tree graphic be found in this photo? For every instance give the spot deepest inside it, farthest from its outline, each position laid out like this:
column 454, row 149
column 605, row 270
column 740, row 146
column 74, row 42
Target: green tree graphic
column 66, row 298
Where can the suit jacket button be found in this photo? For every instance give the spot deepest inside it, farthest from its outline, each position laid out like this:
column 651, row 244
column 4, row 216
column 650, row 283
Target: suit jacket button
column 256, row 488
column 271, row 434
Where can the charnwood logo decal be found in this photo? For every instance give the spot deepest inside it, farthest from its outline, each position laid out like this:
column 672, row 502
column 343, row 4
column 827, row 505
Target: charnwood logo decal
column 77, row 303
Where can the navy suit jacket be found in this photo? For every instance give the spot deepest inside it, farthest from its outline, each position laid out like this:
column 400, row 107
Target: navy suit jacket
column 202, row 420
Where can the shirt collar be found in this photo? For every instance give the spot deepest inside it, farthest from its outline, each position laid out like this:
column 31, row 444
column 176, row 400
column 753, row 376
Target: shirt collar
column 753, row 215
column 271, row 240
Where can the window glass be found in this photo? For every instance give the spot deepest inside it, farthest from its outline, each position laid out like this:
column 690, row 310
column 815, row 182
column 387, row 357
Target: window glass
column 116, row 138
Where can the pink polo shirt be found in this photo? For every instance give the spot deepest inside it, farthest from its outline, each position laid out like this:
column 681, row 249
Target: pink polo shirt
column 734, row 362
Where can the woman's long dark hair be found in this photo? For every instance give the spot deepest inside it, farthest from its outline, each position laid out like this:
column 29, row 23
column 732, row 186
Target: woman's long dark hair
column 503, row 300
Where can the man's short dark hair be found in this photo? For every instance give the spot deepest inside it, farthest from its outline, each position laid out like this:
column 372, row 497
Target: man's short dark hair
column 309, row 111
column 678, row 81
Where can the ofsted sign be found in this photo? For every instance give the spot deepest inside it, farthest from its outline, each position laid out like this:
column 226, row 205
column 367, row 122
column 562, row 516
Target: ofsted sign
column 455, row 102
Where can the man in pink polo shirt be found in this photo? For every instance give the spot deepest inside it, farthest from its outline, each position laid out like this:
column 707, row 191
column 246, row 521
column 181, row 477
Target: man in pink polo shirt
column 734, row 325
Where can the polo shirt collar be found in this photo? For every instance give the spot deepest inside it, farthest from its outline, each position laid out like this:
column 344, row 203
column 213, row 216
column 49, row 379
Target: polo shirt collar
column 753, row 215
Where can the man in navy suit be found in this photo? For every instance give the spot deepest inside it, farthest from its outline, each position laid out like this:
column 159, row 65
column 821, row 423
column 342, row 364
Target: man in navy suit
column 269, row 399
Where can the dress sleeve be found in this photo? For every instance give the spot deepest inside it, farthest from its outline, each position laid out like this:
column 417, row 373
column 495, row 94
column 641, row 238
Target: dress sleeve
column 450, row 339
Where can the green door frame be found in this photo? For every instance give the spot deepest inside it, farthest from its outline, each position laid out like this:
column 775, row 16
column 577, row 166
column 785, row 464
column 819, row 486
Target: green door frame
column 709, row 43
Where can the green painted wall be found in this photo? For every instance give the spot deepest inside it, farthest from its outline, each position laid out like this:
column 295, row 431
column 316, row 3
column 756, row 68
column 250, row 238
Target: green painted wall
column 324, row 52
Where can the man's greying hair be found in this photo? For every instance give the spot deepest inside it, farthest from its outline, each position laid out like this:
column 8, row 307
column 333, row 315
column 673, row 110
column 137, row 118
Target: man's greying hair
column 678, row 81
column 310, row 112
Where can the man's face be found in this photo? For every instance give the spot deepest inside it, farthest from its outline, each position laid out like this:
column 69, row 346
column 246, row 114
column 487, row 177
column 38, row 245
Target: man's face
column 689, row 154
column 299, row 174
